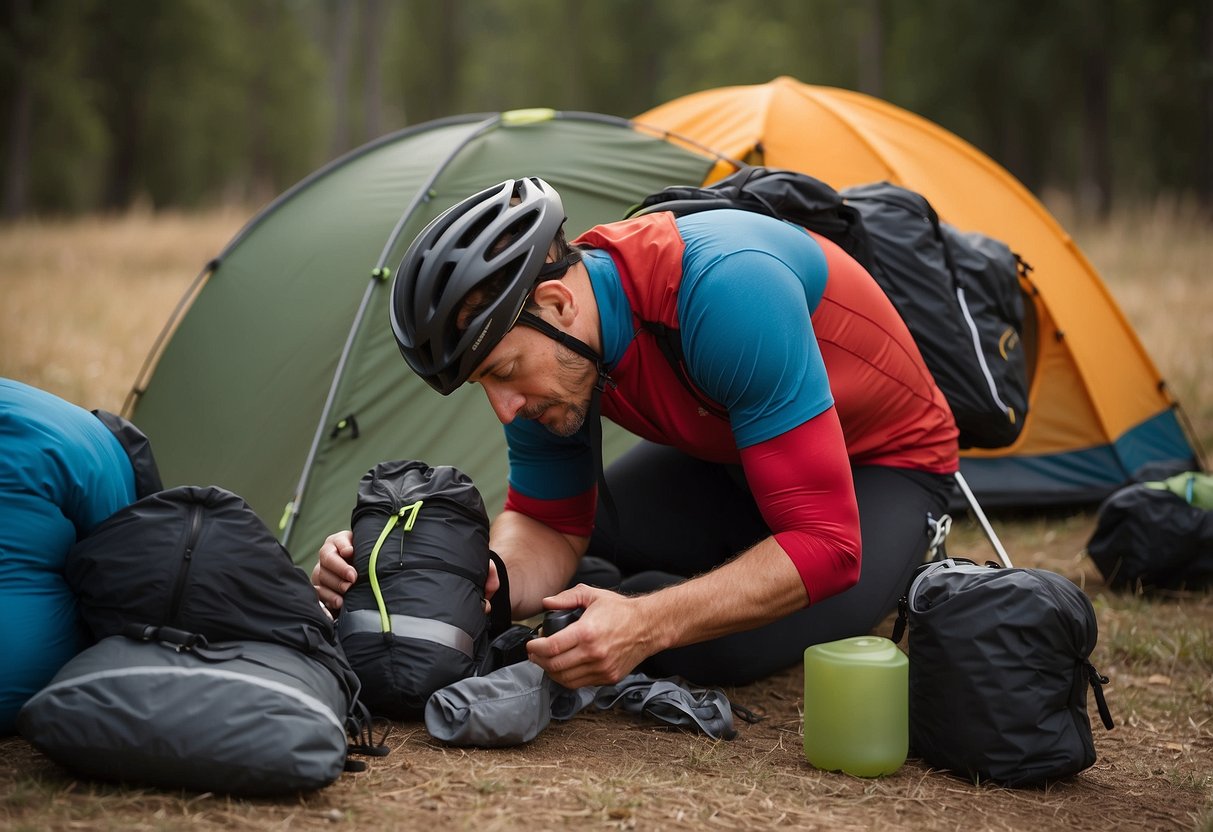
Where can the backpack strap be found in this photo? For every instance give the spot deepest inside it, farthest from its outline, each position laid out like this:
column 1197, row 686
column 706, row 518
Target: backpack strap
column 500, row 612
column 669, row 341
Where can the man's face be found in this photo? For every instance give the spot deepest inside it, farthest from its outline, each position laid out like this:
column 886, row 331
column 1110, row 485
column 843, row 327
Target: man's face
column 530, row 376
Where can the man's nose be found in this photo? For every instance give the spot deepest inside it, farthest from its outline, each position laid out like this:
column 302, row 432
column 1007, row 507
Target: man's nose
column 504, row 402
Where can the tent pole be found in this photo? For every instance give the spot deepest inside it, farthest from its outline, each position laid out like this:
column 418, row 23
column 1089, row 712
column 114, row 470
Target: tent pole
column 378, row 274
column 981, row 518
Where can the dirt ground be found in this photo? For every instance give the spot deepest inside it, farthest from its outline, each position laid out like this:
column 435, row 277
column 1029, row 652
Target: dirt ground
column 610, row 770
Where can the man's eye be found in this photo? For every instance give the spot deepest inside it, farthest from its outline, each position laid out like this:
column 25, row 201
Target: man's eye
column 504, row 374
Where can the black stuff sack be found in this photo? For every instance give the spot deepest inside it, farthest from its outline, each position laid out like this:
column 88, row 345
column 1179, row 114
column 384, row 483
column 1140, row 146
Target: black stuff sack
column 999, row 671
column 195, row 567
column 245, row 718
column 414, row 620
column 1157, row 535
column 200, row 561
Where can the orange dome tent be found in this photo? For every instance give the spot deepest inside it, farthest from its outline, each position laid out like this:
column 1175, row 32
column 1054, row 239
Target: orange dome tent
column 1098, row 410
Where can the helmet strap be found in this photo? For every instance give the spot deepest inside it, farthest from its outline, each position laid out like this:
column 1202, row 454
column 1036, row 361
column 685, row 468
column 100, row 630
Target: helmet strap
column 556, row 269
column 594, row 417
column 575, row 344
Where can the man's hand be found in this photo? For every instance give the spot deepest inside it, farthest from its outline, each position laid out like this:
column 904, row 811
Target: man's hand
column 491, row 585
column 604, row 645
column 333, row 574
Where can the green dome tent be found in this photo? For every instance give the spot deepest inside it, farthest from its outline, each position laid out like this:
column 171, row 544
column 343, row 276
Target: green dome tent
column 278, row 377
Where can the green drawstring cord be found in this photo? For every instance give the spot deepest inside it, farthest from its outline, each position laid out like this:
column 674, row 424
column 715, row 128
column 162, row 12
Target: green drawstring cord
column 384, row 619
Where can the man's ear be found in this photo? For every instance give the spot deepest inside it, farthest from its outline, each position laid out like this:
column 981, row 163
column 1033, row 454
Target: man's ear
column 556, row 298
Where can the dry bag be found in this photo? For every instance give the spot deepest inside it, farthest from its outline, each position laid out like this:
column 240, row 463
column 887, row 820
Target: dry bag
column 999, row 671
column 414, row 620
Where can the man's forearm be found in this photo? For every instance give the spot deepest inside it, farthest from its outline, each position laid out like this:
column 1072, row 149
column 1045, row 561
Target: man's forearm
column 539, row 560
column 759, row 586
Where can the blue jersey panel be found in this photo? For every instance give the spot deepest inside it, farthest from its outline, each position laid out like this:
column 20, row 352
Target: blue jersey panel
column 749, row 287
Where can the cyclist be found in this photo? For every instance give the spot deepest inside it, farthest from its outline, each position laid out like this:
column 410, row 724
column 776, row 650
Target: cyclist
column 804, row 421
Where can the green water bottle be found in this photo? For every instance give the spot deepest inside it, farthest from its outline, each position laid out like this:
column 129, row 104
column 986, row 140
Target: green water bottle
column 856, row 706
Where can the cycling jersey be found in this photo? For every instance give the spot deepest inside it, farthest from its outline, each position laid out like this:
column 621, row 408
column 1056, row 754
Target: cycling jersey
column 797, row 344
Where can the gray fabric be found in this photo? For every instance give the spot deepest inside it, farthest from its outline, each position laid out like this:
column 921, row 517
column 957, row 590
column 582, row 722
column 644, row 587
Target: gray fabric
column 509, row 706
column 407, row 626
column 515, row 703
column 671, row 701
column 567, row 703
column 266, row 722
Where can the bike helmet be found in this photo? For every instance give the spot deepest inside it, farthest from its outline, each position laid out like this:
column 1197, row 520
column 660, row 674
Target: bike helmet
column 504, row 231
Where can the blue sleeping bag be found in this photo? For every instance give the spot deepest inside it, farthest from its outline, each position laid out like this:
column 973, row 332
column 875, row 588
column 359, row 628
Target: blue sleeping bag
column 62, row 472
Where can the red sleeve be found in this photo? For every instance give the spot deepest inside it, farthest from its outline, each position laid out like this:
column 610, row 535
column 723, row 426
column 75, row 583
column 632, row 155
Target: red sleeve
column 802, row 483
column 570, row 515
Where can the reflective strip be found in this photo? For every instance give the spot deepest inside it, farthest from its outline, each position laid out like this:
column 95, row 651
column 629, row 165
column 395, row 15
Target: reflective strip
column 975, row 335
column 307, row 700
column 407, row 626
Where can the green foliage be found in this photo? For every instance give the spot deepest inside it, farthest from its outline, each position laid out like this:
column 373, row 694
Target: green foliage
column 194, row 101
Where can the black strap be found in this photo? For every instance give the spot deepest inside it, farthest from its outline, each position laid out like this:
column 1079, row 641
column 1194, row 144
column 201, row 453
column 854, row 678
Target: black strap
column 669, row 341
column 359, row 728
column 182, row 641
column 500, row 611
column 1097, row 683
column 903, row 612
column 595, row 415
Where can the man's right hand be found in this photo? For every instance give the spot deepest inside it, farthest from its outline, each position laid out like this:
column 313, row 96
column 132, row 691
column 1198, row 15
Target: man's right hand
column 333, row 574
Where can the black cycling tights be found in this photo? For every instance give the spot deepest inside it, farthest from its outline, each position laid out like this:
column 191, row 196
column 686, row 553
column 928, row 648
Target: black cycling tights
column 680, row 516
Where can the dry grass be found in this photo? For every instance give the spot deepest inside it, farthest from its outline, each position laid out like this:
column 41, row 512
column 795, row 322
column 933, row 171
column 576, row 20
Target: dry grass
column 84, row 300
column 1156, row 260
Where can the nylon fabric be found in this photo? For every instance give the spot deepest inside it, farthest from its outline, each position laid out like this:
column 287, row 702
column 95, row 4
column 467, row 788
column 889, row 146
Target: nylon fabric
column 999, row 672
column 62, row 473
column 414, row 620
column 1092, row 383
column 236, row 359
column 1156, row 535
column 267, row 721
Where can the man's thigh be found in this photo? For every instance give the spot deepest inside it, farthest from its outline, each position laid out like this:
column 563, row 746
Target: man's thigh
column 676, row 514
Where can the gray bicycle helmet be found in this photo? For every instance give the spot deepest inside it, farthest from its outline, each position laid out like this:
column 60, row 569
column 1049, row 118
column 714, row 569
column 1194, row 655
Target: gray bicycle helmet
column 454, row 255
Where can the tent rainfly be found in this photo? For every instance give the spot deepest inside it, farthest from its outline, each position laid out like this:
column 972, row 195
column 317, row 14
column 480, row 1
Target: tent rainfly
column 278, row 377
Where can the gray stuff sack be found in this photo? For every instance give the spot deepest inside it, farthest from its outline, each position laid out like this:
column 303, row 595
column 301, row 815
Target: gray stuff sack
column 245, row 718
column 509, row 706
column 514, row 704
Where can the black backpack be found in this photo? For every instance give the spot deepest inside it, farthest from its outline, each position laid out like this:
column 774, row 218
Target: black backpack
column 215, row 667
column 999, row 672
column 959, row 294
column 1157, row 535
column 414, row 620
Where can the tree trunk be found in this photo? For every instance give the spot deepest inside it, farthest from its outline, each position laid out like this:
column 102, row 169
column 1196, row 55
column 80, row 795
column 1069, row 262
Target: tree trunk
column 871, row 49
column 20, row 121
column 343, row 27
column 1095, row 175
column 1205, row 188
column 372, row 76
